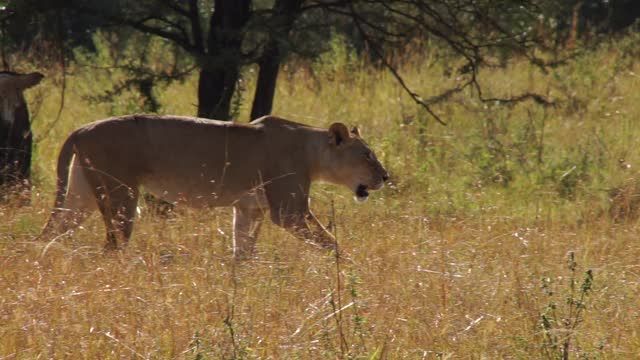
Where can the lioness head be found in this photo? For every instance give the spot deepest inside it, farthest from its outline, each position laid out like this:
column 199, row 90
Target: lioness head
column 353, row 163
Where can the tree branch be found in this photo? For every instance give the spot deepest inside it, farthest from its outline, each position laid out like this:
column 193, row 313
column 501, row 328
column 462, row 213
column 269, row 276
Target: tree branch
column 394, row 72
column 177, row 8
column 180, row 38
column 196, row 27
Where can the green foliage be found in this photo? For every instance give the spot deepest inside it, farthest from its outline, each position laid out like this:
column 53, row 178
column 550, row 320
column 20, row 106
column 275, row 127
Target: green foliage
column 559, row 320
column 340, row 61
column 128, row 67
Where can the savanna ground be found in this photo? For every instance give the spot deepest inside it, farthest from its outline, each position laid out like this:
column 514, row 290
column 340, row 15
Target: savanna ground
column 479, row 249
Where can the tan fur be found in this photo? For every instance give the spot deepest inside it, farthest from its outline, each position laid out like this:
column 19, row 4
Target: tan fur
column 267, row 165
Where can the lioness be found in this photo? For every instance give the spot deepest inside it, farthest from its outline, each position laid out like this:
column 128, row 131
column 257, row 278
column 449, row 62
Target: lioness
column 268, row 164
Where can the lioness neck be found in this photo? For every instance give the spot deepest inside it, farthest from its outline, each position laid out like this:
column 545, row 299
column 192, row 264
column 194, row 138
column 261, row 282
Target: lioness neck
column 317, row 147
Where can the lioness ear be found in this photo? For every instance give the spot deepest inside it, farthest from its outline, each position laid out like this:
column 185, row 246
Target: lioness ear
column 355, row 131
column 33, row 79
column 338, row 134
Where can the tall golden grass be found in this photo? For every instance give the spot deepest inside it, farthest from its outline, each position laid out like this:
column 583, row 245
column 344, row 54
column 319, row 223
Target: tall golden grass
column 463, row 256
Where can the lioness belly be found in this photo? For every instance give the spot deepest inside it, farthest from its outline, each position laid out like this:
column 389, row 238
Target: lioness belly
column 200, row 191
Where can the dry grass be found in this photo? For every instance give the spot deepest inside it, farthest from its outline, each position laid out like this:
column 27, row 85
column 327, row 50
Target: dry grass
column 447, row 263
column 412, row 287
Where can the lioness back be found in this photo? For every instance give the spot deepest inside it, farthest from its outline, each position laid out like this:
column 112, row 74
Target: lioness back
column 168, row 154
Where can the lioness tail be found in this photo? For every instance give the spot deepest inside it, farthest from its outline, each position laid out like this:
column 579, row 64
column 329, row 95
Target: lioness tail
column 64, row 163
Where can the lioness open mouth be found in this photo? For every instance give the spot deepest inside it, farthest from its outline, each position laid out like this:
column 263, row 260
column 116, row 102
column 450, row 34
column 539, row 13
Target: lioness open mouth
column 361, row 193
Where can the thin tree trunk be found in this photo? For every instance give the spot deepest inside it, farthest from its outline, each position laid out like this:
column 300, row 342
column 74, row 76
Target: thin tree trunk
column 221, row 64
column 285, row 14
column 266, row 86
column 215, row 91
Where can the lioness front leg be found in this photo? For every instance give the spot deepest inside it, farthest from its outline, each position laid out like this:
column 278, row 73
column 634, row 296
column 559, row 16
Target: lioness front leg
column 290, row 210
column 117, row 201
column 246, row 224
column 319, row 233
column 307, row 228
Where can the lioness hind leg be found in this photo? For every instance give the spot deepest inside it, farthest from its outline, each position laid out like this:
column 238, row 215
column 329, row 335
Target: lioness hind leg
column 79, row 203
column 117, row 203
column 246, row 225
column 63, row 220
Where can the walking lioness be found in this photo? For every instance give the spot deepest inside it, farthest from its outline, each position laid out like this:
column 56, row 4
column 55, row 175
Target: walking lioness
column 268, row 164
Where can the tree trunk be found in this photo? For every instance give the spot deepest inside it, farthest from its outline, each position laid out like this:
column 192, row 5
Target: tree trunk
column 215, row 91
column 285, row 14
column 221, row 64
column 266, row 87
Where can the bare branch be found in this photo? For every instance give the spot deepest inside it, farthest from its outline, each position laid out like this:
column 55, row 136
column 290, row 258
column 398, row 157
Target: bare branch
column 393, row 71
column 196, row 27
column 537, row 98
column 177, row 8
column 180, row 37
